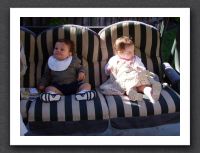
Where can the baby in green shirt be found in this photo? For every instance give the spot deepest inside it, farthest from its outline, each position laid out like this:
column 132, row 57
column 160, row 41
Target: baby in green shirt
column 64, row 75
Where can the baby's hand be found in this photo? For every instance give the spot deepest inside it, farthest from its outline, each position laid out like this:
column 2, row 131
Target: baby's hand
column 81, row 76
column 109, row 69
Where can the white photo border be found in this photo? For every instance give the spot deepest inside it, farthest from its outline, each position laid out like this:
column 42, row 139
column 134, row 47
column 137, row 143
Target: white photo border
column 16, row 13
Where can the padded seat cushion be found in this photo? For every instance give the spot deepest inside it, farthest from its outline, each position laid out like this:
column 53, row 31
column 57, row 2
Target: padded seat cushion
column 68, row 109
column 120, row 107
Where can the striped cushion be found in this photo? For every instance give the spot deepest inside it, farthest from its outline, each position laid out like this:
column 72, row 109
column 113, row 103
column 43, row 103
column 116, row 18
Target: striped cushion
column 121, row 107
column 24, row 107
column 68, row 109
column 146, row 38
column 28, row 40
column 86, row 46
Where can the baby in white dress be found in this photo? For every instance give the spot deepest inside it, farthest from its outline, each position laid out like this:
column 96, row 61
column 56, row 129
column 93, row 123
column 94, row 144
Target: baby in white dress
column 128, row 74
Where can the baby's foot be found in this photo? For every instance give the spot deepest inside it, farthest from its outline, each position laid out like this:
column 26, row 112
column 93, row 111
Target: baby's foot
column 87, row 95
column 48, row 97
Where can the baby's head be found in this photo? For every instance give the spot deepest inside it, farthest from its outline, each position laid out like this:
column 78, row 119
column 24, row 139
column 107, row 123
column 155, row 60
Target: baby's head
column 63, row 49
column 124, row 47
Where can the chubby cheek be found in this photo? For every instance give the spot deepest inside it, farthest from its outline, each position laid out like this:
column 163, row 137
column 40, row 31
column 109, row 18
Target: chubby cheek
column 58, row 56
column 58, row 53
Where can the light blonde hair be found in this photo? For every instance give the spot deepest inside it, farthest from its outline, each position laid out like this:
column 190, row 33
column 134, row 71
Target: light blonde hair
column 121, row 43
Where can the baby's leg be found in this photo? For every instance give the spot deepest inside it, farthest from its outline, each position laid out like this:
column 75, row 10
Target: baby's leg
column 53, row 90
column 143, row 78
column 111, row 88
column 134, row 95
column 156, row 89
column 84, row 86
column 149, row 86
column 148, row 91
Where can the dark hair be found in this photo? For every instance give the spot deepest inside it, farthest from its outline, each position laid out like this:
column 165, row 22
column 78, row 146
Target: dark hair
column 122, row 42
column 70, row 43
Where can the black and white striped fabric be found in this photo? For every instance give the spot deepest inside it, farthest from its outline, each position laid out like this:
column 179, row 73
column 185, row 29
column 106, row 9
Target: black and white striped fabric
column 147, row 46
column 28, row 40
column 121, row 106
column 86, row 47
column 24, row 107
column 131, row 114
column 147, row 42
column 67, row 109
column 146, row 39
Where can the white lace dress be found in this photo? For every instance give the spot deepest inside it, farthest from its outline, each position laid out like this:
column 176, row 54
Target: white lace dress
column 125, row 75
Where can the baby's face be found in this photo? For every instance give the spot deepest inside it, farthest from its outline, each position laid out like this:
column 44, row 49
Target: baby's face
column 61, row 51
column 128, row 53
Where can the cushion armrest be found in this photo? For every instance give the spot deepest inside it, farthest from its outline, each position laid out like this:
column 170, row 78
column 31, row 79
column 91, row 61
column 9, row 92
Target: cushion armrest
column 172, row 75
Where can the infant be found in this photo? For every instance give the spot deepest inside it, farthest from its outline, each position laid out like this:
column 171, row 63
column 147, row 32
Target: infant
column 128, row 74
column 64, row 75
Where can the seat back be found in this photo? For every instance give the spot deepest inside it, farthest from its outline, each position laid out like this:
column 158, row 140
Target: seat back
column 86, row 47
column 146, row 39
column 28, row 41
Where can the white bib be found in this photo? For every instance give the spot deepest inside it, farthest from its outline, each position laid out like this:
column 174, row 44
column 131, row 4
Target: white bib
column 57, row 65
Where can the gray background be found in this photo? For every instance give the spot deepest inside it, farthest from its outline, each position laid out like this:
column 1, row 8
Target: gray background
column 4, row 72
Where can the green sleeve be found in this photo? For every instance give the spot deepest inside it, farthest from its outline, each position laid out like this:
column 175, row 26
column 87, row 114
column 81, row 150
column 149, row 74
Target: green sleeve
column 45, row 79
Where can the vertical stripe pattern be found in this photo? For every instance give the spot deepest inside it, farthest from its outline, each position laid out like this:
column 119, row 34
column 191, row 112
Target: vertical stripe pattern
column 68, row 109
column 86, row 47
column 94, row 57
column 146, row 39
column 27, row 39
column 123, row 107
